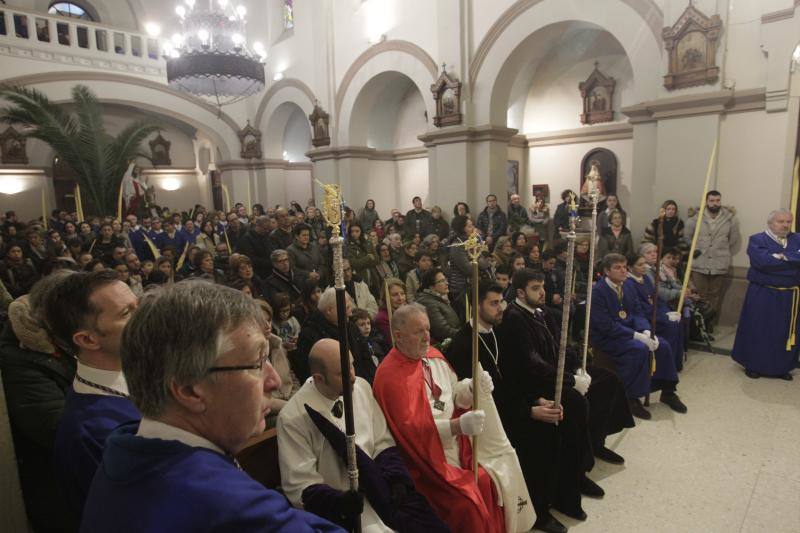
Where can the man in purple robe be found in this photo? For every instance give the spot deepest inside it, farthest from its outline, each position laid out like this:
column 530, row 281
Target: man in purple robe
column 766, row 339
column 197, row 366
column 619, row 328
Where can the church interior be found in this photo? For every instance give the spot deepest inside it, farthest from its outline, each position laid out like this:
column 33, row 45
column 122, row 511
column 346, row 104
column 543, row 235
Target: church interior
column 454, row 101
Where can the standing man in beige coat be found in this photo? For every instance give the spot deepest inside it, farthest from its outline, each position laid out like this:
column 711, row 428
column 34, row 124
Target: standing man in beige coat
column 718, row 240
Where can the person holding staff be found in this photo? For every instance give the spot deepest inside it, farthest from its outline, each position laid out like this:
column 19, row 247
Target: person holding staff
column 766, row 339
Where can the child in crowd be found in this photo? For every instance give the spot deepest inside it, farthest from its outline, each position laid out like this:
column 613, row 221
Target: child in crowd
column 286, row 326
column 373, row 338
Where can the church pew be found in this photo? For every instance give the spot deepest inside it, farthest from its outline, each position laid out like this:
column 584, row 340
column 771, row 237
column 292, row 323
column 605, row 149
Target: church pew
column 259, row 458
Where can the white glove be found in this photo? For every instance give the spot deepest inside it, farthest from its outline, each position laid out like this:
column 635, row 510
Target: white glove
column 582, row 382
column 654, row 344
column 471, row 423
column 674, row 316
column 642, row 337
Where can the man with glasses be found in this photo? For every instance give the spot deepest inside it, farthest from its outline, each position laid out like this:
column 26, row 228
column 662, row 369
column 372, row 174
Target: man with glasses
column 203, row 386
column 283, row 277
column 84, row 314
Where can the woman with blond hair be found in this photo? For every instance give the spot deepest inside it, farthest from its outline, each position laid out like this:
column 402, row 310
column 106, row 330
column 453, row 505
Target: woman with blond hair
column 393, row 295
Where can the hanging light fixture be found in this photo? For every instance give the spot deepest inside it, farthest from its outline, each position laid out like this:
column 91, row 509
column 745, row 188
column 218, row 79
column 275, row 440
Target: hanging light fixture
column 210, row 57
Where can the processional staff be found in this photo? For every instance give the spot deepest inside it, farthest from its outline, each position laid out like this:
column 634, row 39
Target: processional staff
column 696, row 230
column 332, row 212
column 565, row 306
column 594, row 193
column 474, row 247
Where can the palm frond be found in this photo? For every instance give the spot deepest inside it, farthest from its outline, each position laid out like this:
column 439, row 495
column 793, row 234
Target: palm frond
column 80, row 140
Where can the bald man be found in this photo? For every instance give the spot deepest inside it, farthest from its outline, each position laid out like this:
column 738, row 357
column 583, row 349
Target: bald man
column 312, row 459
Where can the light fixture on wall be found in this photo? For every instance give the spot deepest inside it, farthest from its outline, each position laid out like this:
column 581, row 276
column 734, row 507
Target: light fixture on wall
column 278, row 76
column 170, row 184
column 210, row 57
column 9, row 185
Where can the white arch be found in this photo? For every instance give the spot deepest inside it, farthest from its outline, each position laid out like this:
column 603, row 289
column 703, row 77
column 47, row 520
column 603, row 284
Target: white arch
column 135, row 92
column 389, row 61
column 274, row 116
column 276, row 125
column 493, row 81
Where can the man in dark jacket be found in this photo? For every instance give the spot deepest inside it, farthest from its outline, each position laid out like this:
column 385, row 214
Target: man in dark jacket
column 323, row 324
column 256, row 245
column 281, row 237
column 305, row 256
column 283, row 277
column 492, row 222
column 531, row 335
column 418, row 220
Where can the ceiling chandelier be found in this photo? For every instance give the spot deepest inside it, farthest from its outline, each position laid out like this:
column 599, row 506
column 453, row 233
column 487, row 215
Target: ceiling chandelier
column 210, row 57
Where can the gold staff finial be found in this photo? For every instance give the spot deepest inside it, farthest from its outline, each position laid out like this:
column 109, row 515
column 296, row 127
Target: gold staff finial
column 332, row 206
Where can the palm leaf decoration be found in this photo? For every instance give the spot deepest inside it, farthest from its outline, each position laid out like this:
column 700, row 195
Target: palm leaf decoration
column 79, row 138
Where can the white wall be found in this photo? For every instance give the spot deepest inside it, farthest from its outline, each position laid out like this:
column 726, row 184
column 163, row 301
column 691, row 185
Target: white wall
column 559, row 167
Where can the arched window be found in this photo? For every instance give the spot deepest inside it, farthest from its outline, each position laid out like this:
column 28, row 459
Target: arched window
column 70, row 9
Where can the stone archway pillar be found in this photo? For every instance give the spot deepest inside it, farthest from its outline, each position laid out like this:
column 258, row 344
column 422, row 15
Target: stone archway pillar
column 466, row 163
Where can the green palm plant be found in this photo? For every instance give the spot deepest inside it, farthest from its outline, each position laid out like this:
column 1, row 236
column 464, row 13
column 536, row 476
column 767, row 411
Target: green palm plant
column 79, row 138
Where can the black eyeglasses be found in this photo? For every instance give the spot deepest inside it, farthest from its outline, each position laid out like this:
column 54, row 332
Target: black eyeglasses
column 258, row 366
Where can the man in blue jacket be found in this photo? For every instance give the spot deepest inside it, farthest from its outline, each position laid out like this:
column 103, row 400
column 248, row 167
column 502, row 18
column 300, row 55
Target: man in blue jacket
column 84, row 314
column 198, row 369
column 619, row 328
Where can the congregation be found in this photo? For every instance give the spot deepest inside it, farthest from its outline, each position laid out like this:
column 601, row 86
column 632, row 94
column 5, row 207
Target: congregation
column 114, row 324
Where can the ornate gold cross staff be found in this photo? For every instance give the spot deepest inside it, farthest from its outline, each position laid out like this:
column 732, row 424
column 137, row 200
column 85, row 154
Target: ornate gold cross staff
column 474, row 247
column 332, row 212
column 565, row 305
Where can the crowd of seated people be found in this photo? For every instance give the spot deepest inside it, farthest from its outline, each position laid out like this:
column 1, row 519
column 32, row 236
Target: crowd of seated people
column 282, row 257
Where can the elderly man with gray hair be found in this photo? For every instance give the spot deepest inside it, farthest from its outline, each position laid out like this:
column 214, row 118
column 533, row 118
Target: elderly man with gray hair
column 197, row 368
column 767, row 337
column 283, row 277
column 430, row 414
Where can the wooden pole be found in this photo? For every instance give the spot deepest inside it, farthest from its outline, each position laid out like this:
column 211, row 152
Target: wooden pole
column 696, row 231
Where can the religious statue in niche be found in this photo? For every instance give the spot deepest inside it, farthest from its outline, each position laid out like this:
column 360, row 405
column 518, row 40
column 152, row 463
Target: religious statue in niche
column 692, row 46
column 447, row 95
column 12, row 147
column 159, row 151
column 319, row 123
column 597, row 93
column 250, row 139
column 599, row 166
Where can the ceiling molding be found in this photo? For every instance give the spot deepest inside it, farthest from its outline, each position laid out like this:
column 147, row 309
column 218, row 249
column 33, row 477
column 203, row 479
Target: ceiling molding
column 365, row 152
column 467, row 134
column 710, row 103
column 588, row 134
column 259, row 164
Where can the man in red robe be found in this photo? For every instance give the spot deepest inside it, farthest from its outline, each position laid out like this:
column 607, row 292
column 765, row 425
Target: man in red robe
column 421, row 400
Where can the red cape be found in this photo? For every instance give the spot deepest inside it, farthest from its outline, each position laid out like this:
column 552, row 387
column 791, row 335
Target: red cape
column 462, row 504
